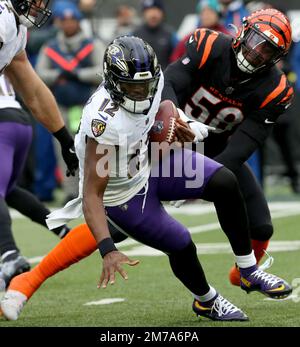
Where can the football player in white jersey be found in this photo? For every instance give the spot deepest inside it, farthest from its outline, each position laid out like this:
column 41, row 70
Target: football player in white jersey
column 15, row 139
column 113, row 135
column 15, row 17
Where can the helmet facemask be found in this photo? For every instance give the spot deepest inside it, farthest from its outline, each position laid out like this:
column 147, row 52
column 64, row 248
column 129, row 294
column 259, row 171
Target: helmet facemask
column 31, row 12
column 138, row 93
column 257, row 52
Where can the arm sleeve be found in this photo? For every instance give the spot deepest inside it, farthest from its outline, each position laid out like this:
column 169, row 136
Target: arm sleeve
column 177, row 79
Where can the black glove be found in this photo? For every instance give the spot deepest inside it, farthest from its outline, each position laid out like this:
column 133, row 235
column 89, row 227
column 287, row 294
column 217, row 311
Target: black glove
column 67, row 150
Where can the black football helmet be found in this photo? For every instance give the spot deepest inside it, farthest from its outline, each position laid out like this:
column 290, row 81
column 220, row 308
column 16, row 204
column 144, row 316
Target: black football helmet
column 31, row 12
column 131, row 73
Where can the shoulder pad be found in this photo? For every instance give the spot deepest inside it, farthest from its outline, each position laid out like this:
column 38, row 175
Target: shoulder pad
column 204, row 45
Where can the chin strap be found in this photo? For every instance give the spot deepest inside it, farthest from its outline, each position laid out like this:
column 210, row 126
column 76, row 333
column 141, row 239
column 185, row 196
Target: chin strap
column 240, row 63
column 26, row 22
column 135, row 106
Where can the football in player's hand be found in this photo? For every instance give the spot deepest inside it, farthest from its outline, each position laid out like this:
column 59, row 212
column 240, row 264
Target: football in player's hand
column 184, row 132
column 164, row 127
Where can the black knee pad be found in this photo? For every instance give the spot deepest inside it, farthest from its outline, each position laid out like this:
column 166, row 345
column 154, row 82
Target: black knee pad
column 262, row 233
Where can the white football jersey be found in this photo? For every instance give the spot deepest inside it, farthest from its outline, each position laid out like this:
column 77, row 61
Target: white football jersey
column 13, row 38
column 7, row 94
column 112, row 125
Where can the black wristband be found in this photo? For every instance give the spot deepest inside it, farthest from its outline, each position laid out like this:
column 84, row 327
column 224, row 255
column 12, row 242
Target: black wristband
column 63, row 136
column 106, row 245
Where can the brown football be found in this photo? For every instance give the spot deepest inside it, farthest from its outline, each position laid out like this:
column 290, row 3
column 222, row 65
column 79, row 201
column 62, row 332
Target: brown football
column 163, row 129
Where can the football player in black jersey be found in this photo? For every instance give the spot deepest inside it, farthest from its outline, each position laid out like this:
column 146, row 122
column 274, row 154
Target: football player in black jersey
column 233, row 85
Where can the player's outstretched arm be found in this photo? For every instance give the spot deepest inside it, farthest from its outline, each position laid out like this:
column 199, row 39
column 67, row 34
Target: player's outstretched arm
column 178, row 78
column 41, row 102
column 96, row 176
column 35, row 94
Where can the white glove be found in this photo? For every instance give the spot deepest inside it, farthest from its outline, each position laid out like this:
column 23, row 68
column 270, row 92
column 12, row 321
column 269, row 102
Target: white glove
column 177, row 203
column 199, row 129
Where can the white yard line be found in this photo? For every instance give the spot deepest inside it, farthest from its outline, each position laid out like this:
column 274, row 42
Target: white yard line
column 215, row 248
column 35, row 260
column 203, row 208
column 278, row 210
column 107, row 301
column 202, row 248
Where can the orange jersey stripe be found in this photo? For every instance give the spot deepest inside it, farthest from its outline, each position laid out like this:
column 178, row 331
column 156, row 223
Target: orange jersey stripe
column 201, row 37
column 279, row 89
column 196, row 33
column 288, row 95
column 207, row 49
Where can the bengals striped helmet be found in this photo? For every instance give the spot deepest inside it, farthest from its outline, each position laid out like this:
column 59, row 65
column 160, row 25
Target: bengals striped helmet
column 264, row 38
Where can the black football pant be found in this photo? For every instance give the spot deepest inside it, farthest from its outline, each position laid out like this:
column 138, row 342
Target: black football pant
column 259, row 216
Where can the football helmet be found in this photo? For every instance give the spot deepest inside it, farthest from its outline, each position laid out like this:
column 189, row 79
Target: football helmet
column 264, row 38
column 131, row 73
column 31, row 12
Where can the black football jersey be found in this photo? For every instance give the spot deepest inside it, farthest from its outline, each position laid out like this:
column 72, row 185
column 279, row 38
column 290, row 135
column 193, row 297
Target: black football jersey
column 215, row 98
column 208, row 86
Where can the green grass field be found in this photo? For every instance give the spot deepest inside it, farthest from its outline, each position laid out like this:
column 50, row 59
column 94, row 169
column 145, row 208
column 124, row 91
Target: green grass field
column 152, row 295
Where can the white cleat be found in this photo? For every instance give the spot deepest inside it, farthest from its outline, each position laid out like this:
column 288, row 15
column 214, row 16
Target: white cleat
column 12, row 304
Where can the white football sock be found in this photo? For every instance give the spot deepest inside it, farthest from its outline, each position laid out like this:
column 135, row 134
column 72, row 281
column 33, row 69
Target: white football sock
column 208, row 296
column 244, row 261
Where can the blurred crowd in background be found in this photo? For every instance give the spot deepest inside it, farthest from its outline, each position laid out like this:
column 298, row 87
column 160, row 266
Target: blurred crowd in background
column 68, row 53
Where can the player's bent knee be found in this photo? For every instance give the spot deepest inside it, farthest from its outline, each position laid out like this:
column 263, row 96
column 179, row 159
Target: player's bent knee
column 185, row 241
column 189, row 250
column 176, row 243
column 227, row 180
column 223, row 183
column 262, row 233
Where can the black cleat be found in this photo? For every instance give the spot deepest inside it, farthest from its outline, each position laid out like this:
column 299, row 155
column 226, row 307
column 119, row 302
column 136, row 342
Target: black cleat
column 11, row 268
